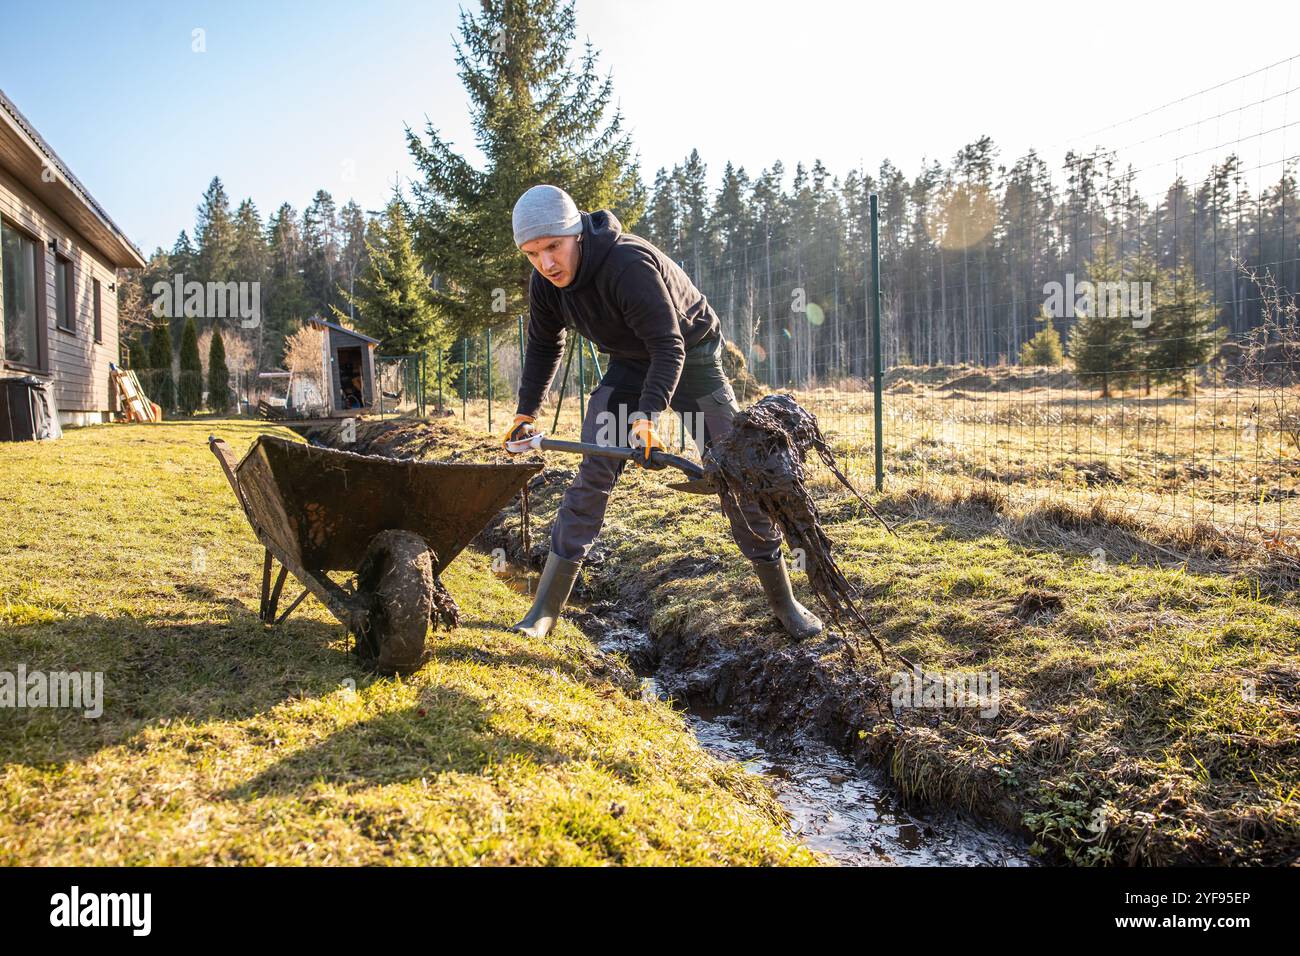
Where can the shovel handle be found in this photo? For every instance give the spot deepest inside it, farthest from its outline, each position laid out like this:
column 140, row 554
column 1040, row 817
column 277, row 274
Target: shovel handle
column 658, row 459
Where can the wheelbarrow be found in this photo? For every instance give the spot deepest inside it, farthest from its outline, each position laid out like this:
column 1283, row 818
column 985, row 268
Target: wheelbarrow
column 396, row 523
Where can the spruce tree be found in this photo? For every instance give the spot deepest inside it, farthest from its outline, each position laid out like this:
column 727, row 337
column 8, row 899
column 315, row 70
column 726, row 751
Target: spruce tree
column 161, row 386
column 218, row 374
column 662, row 218
column 394, row 301
column 285, row 305
column 1181, row 335
column 190, row 391
column 215, row 232
column 1104, row 342
column 320, row 239
column 1045, row 346
column 537, row 119
column 182, row 260
column 693, row 193
column 249, row 254
column 352, row 253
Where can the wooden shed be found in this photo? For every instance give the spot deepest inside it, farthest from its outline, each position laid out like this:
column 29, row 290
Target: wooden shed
column 59, row 252
column 348, row 359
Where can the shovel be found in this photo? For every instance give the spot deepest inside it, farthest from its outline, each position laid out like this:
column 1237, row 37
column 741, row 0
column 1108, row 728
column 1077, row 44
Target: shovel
column 697, row 482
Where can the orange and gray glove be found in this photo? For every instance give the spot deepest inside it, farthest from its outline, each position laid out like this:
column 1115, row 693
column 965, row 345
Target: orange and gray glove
column 641, row 434
column 521, row 427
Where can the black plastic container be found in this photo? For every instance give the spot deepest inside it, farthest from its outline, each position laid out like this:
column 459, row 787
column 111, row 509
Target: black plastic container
column 27, row 410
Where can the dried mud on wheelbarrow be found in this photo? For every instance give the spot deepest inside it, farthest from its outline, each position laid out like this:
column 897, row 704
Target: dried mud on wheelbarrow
column 396, row 523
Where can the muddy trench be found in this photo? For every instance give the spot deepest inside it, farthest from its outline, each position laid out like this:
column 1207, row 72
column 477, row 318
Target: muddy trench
column 783, row 714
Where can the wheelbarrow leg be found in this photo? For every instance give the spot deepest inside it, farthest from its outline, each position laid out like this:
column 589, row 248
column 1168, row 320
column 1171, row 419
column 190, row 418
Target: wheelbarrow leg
column 266, row 585
column 275, row 595
column 289, row 610
column 271, row 595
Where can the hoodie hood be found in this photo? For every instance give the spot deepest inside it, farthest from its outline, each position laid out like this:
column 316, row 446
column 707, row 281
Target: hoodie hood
column 630, row 300
column 600, row 230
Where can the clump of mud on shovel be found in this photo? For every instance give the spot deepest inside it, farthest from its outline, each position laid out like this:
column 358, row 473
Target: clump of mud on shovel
column 762, row 458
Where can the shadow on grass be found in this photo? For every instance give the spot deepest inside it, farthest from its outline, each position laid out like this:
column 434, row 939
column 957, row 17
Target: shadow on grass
column 160, row 670
column 447, row 732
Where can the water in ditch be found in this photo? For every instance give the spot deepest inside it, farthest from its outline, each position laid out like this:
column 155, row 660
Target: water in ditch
column 849, row 815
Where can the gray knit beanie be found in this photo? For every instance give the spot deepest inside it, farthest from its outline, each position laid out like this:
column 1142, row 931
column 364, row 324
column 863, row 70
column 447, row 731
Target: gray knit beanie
column 545, row 211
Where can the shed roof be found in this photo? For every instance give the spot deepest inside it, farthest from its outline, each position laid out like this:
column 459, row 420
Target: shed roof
column 317, row 320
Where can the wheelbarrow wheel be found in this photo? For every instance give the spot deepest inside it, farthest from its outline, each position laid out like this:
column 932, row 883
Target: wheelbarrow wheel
column 395, row 578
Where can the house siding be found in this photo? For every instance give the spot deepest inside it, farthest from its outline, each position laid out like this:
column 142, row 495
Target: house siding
column 78, row 365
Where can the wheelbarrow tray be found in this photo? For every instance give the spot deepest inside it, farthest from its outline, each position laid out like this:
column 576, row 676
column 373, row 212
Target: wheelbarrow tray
column 317, row 509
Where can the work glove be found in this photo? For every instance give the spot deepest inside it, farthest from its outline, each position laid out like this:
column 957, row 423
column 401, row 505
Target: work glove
column 521, row 427
column 641, row 434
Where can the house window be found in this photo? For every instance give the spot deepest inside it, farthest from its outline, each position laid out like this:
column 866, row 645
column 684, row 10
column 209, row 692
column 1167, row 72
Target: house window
column 20, row 261
column 63, row 297
column 99, row 314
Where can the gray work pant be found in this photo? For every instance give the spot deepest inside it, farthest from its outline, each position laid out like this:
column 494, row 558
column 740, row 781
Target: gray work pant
column 706, row 403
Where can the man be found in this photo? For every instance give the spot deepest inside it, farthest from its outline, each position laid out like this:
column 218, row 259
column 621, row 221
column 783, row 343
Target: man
column 665, row 346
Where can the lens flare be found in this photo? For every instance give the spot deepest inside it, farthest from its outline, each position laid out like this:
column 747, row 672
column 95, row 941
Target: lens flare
column 814, row 314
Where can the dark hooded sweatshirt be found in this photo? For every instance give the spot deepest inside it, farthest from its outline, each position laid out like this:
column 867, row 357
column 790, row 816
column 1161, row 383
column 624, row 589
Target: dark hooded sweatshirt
column 630, row 299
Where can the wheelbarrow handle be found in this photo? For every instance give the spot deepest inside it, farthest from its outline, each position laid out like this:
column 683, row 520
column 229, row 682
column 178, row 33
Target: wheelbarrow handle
column 226, row 458
column 658, row 459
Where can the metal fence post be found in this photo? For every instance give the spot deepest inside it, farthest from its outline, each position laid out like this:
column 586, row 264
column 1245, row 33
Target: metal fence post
column 582, row 384
column 489, row 376
column 521, row 346
column 595, row 359
column 564, row 385
column 878, row 366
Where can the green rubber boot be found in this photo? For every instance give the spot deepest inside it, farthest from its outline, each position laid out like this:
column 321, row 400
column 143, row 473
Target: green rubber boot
column 553, row 590
column 799, row 622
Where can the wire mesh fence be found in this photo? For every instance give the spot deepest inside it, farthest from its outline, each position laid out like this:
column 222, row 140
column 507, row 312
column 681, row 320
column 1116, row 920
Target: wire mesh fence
column 1121, row 328
column 400, row 385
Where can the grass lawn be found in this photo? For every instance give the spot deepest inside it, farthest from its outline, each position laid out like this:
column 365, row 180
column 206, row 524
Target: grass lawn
column 221, row 741
column 1148, row 685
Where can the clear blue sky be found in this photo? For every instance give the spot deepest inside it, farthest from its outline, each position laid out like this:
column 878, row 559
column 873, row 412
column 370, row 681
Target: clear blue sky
column 290, row 97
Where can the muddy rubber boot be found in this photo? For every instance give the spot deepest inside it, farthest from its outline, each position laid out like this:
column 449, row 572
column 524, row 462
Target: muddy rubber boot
column 799, row 622
column 552, row 591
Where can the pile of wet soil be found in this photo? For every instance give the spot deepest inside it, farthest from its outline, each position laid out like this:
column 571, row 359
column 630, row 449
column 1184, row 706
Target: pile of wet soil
column 405, row 438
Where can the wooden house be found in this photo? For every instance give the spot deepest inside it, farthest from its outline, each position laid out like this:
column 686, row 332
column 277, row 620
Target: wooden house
column 59, row 252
